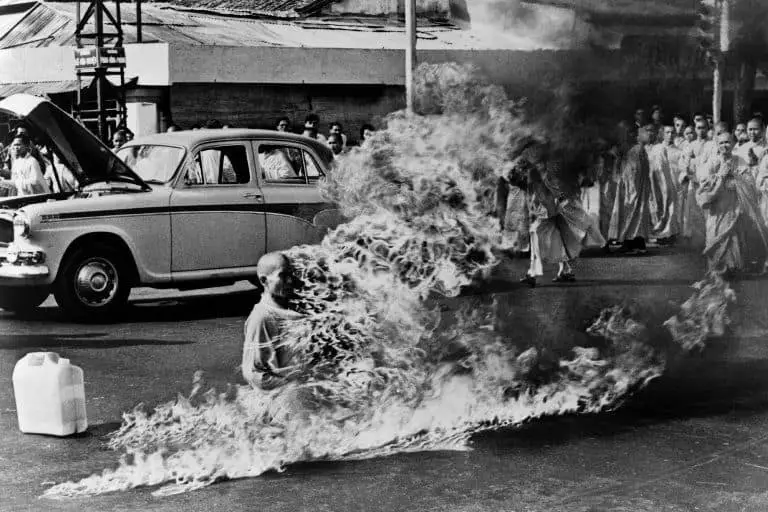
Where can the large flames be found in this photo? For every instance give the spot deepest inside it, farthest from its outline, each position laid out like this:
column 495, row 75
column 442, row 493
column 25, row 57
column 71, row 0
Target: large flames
column 385, row 372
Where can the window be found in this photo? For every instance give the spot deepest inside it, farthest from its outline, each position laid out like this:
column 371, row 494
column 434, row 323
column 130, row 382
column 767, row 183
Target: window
column 153, row 164
column 287, row 164
column 223, row 165
column 313, row 170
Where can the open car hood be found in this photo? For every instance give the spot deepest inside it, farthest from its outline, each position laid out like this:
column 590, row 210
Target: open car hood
column 81, row 151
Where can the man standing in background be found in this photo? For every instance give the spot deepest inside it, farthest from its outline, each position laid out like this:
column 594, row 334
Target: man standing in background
column 664, row 159
column 631, row 219
column 749, row 155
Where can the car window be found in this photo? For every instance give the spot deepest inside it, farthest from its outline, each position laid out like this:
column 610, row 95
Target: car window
column 219, row 165
column 311, row 166
column 153, row 163
column 281, row 163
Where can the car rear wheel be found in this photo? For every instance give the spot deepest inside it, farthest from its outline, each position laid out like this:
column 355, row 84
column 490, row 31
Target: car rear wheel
column 93, row 283
column 20, row 300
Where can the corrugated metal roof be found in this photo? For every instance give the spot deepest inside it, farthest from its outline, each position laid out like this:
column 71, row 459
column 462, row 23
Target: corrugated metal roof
column 39, row 88
column 165, row 23
column 38, row 26
column 267, row 8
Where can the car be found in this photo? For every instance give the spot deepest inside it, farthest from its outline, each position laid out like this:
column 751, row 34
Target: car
column 188, row 209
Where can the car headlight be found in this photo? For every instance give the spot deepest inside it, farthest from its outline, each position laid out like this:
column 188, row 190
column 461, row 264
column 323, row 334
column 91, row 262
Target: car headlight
column 20, row 225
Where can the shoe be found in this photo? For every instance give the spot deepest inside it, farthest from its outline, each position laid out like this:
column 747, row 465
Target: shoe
column 567, row 277
column 529, row 280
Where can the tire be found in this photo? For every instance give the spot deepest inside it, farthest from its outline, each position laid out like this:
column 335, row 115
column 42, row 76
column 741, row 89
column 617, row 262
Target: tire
column 22, row 300
column 93, row 283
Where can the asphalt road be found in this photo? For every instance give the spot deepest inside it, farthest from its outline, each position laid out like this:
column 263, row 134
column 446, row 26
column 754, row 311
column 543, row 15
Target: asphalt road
column 696, row 439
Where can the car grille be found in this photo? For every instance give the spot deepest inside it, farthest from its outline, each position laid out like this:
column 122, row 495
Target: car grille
column 6, row 231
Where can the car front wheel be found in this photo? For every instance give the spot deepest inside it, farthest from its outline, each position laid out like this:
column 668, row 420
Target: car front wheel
column 93, row 283
column 21, row 300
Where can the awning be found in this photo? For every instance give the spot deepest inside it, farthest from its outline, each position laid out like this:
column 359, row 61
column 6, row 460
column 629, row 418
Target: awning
column 39, row 88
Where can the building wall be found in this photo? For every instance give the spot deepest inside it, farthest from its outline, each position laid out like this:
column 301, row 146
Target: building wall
column 382, row 7
column 57, row 63
column 260, row 106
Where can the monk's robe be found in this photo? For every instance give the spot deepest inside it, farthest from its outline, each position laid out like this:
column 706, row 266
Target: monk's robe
column 736, row 237
column 631, row 217
column 744, row 162
column 761, row 183
column 664, row 161
column 267, row 357
column 590, row 187
column 560, row 228
column 692, row 166
column 512, row 210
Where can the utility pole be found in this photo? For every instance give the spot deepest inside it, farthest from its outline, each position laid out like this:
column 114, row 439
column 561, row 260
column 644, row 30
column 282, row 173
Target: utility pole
column 724, row 46
column 410, row 52
column 100, row 54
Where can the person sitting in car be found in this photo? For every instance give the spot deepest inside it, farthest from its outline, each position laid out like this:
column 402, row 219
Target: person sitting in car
column 275, row 164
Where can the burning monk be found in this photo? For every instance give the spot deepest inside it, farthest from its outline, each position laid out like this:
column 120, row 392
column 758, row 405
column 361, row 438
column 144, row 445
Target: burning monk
column 560, row 228
column 269, row 361
column 736, row 234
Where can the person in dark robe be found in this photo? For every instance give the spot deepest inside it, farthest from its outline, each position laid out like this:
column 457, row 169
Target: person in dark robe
column 631, row 218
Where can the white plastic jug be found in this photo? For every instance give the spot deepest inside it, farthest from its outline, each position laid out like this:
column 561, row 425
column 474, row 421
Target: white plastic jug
column 50, row 396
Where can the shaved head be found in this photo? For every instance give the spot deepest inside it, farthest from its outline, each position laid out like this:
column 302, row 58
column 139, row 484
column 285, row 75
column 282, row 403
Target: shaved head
column 272, row 261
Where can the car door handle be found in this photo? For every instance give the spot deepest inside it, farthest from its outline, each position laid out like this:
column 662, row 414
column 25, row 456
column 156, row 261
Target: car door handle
column 252, row 195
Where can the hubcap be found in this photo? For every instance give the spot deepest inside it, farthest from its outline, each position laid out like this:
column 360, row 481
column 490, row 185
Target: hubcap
column 96, row 282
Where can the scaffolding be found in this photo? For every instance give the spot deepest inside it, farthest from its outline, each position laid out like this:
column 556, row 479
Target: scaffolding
column 99, row 55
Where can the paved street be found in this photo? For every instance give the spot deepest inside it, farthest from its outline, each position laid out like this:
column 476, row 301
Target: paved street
column 697, row 439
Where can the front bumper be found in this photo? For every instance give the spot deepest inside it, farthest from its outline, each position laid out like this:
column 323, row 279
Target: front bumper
column 9, row 271
column 22, row 263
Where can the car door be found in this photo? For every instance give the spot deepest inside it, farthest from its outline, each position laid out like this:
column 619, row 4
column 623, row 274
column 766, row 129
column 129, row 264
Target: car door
column 217, row 219
column 288, row 173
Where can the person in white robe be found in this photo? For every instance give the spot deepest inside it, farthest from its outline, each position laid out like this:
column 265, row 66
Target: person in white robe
column 678, row 121
column 664, row 159
column 560, row 229
column 26, row 174
column 692, row 167
column 749, row 154
column 737, row 237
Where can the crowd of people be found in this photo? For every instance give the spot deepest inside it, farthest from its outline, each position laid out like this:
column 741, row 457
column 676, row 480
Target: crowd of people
column 691, row 182
column 336, row 138
column 28, row 168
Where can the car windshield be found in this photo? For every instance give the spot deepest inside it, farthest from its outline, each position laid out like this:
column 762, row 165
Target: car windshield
column 153, row 163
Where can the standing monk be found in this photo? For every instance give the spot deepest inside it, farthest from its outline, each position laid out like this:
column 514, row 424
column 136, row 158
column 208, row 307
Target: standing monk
column 664, row 159
column 736, row 235
column 749, row 155
column 692, row 165
column 560, row 228
column 631, row 219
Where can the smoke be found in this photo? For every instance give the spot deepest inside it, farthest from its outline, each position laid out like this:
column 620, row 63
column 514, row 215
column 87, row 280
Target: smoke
column 540, row 26
column 384, row 371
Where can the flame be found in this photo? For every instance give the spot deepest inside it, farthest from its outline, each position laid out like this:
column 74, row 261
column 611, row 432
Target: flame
column 384, row 371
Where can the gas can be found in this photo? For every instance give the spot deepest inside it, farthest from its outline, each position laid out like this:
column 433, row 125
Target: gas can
column 50, row 396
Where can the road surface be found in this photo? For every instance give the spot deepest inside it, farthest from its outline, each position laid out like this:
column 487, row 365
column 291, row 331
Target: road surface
column 696, row 439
